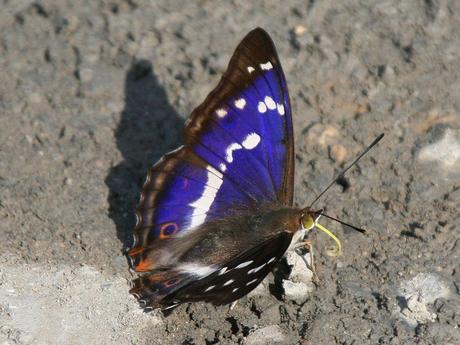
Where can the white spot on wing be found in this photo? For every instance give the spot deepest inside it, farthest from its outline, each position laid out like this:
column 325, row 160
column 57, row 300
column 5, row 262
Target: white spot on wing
column 251, row 141
column 203, row 203
column 215, row 178
column 261, row 107
column 270, row 102
column 281, row 110
column 251, row 69
column 169, row 307
column 271, row 260
column 222, row 167
column 235, row 290
column 228, row 282
column 196, row 269
column 221, row 112
column 240, row 103
column 244, row 264
column 222, row 271
column 210, row 288
column 255, row 270
column 214, row 171
column 229, row 151
column 266, row 66
column 251, row 282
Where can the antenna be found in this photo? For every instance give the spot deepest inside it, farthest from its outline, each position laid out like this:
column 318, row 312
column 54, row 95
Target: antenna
column 361, row 230
column 339, row 176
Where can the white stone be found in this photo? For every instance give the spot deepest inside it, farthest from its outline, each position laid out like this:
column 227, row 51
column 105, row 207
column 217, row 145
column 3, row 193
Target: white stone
column 297, row 292
column 299, row 270
column 299, row 284
column 52, row 304
column 417, row 293
column 446, row 151
column 272, row 334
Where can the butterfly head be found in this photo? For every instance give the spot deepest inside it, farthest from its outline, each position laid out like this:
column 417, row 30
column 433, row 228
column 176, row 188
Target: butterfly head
column 309, row 220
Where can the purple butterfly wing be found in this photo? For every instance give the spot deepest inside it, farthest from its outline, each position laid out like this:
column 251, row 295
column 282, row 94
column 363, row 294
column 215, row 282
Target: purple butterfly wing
column 244, row 127
column 238, row 153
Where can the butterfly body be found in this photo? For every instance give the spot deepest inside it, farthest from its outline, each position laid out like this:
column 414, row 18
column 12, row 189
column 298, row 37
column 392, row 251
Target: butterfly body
column 225, row 238
column 216, row 215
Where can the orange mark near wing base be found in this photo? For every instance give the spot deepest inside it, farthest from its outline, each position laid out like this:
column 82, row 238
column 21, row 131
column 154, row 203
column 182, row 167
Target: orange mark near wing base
column 135, row 251
column 144, row 265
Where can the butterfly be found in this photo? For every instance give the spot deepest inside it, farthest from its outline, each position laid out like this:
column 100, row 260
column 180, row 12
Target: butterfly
column 216, row 215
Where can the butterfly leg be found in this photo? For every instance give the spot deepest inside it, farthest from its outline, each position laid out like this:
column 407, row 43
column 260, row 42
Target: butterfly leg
column 307, row 244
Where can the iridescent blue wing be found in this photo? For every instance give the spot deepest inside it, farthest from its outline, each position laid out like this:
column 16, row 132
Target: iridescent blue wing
column 248, row 116
column 238, row 153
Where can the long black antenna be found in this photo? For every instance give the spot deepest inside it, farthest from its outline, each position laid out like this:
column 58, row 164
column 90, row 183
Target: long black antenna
column 339, row 176
column 361, row 230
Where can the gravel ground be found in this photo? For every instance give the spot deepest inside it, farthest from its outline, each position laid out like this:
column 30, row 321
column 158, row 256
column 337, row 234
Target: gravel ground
column 93, row 92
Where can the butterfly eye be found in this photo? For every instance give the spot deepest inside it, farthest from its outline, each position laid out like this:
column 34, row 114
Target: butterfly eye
column 307, row 222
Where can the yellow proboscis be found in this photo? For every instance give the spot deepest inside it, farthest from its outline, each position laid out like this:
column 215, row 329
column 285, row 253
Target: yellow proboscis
column 309, row 223
column 336, row 250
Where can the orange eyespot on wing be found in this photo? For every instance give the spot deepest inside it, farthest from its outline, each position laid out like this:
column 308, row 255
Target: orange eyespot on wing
column 168, row 230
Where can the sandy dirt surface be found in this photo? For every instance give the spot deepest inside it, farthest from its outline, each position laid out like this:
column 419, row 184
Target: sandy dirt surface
column 93, row 92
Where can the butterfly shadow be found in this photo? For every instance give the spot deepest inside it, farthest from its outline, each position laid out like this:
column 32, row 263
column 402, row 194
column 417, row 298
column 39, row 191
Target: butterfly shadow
column 149, row 127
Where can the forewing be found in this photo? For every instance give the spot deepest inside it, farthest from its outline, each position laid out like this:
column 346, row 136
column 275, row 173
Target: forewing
column 244, row 127
column 238, row 152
